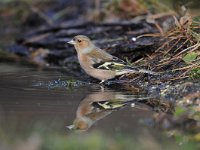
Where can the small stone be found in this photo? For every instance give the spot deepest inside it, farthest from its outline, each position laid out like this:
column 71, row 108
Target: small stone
column 134, row 39
column 132, row 104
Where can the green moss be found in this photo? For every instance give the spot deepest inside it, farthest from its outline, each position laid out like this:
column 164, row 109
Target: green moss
column 179, row 111
column 195, row 73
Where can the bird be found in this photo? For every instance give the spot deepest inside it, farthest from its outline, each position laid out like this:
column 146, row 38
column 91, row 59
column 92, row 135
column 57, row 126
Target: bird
column 100, row 64
column 96, row 106
column 87, row 113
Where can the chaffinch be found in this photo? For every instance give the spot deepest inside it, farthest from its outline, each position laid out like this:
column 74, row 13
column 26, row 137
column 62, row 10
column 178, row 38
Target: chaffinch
column 87, row 114
column 100, row 64
column 96, row 106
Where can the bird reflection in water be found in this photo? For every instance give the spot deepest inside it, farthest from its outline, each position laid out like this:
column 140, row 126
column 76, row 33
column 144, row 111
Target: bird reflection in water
column 97, row 105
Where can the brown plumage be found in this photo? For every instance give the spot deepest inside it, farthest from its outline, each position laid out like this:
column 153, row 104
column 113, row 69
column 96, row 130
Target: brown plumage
column 100, row 64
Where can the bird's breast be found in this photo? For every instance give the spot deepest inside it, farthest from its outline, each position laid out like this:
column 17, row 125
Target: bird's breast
column 85, row 62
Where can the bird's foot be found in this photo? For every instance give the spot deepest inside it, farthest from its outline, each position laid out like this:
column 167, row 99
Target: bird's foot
column 102, row 88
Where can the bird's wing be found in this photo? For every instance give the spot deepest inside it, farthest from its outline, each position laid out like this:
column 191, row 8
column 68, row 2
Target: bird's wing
column 108, row 105
column 105, row 61
column 100, row 54
column 121, row 67
column 114, row 66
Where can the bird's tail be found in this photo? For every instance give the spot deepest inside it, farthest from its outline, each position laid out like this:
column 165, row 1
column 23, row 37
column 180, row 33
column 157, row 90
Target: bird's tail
column 136, row 71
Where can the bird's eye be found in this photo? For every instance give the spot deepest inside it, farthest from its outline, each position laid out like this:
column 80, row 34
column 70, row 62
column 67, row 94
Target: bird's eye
column 79, row 41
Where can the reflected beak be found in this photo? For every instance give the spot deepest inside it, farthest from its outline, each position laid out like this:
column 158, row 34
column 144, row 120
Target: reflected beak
column 71, row 127
column 71, row 42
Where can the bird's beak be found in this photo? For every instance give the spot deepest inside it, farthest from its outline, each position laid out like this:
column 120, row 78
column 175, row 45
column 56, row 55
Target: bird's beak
column 71, row 42
column 71, row 127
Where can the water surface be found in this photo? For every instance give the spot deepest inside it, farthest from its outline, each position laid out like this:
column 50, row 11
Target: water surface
column 43, row 102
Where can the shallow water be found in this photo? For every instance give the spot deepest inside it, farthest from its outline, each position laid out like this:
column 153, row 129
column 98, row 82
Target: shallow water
column 45, row 102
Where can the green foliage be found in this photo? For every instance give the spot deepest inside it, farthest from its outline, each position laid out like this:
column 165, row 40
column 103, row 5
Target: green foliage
column 190, row 57
column 195, row 73
column 196, row 21
column 185, row 142
column 179, row 111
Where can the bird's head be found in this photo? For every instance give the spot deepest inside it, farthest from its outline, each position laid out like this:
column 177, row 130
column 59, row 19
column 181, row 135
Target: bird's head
column 82, row 44
column 81, row 124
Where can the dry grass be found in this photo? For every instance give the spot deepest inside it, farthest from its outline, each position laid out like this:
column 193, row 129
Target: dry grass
column 181, row 40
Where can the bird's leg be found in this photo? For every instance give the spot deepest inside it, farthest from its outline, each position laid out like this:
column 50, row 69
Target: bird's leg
column 102, row 88
column 102, row 81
